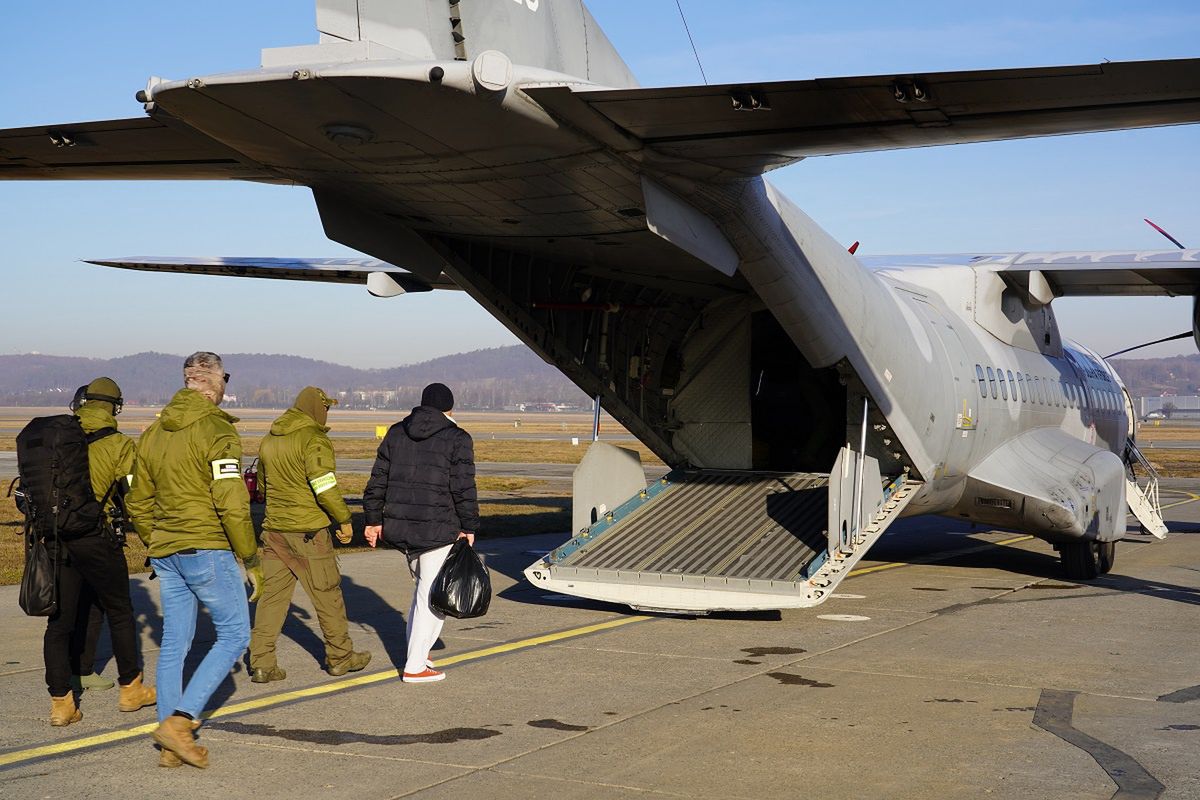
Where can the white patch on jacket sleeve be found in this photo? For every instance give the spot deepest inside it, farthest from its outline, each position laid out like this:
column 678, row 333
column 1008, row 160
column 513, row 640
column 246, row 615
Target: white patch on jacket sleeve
column 323, row 483
column 226, row 468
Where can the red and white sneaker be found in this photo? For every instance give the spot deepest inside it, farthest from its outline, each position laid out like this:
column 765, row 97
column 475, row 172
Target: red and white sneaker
column 425, row 676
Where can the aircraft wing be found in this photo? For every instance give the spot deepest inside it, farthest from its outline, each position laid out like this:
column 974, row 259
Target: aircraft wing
column 1077, row 273
column 381, row 278
column 121, row 149
column 749, row 128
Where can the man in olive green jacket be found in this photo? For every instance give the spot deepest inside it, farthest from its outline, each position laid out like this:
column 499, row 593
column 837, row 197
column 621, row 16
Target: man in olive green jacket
column 297, row 468
column 190, row 506
column 93, row 566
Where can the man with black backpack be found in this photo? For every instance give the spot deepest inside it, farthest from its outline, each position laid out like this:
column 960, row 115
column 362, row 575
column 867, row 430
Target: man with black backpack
column 74, row 469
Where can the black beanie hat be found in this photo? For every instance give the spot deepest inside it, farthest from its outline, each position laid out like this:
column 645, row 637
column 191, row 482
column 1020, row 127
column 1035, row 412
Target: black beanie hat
column 439, row 396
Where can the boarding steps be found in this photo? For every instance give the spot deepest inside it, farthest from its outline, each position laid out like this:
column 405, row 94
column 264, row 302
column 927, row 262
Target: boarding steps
column 1142, row 493
column 713, row 540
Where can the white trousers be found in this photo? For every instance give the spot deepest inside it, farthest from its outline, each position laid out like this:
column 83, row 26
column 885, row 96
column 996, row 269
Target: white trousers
column 424, row 624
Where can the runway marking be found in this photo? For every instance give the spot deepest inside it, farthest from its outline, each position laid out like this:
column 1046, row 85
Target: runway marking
column 938, row 557
column 1053, row 715
column 110, row 737
column 59, row 748
column 843, row 617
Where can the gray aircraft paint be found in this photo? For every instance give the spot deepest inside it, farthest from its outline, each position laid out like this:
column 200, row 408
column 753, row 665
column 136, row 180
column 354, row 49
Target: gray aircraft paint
column 448, row 139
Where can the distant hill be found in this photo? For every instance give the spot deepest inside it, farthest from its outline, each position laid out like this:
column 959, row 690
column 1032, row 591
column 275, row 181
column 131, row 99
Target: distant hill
column 1151, row 377
column 489, row 378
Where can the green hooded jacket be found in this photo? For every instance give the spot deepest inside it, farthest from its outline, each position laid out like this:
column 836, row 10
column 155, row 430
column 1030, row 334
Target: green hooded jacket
column 188, row 490
column 297, row 468
column 109, row 458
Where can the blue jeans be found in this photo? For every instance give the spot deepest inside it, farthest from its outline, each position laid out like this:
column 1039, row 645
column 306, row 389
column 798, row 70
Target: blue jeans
column 211, row 577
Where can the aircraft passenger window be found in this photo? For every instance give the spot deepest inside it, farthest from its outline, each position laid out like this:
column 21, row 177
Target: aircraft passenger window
column 1054, row 392
column 1012, row 386
column 1003, row 385
column 1041, row 389
column 992, row 383
column 982, row 381
column 1021, row 384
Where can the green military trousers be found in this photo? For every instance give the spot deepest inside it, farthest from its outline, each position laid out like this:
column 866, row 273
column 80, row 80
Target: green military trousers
column 288, row 557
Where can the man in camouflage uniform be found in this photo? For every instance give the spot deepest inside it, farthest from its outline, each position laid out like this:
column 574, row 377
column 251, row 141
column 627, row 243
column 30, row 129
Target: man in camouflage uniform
column 297, row 468
column 190, row 506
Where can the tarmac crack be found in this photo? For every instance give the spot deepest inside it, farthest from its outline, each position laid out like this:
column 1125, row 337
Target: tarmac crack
column 1054, row 713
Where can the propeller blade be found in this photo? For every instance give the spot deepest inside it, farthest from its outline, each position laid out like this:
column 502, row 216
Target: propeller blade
column 1174, row 241
column 1184, row 335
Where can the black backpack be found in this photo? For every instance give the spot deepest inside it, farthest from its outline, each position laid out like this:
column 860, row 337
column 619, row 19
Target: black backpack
column 52, row 462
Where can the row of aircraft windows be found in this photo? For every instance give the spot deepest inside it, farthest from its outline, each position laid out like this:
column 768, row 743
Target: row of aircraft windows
column 1034, row 389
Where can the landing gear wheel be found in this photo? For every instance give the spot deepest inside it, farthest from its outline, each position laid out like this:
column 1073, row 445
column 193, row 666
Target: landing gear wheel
column 1107, row 556
column 1080, row 560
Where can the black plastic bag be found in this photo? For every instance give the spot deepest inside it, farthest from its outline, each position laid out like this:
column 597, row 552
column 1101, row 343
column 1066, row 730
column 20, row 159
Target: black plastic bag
column 39, row 583
column 462, row 588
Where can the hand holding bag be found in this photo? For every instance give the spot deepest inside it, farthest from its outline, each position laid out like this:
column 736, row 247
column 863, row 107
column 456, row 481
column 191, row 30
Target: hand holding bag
column 462, row 588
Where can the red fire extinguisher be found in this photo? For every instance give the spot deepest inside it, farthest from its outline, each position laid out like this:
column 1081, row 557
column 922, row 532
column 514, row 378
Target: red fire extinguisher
column 251, row 477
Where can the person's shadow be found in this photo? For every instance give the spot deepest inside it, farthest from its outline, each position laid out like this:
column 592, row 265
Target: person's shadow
column 366, row 607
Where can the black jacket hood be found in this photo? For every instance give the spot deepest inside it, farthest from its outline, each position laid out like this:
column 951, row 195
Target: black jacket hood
column 425, row 421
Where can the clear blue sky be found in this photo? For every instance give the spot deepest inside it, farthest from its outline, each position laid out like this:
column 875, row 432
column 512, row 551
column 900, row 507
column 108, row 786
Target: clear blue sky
column 73, row 61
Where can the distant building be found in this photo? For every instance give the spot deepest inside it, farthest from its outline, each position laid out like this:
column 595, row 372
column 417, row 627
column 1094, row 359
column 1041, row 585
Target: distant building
column 1183, row 405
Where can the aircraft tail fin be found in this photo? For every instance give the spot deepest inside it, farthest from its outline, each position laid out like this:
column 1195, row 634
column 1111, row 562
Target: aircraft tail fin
column 563, row 37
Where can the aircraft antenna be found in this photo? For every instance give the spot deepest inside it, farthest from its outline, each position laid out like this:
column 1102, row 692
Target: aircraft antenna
column 695, row 52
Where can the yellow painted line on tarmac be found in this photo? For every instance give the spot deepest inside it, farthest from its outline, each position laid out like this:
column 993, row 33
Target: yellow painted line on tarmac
column 59, row 748
column 930, row 560
column 1192, row 497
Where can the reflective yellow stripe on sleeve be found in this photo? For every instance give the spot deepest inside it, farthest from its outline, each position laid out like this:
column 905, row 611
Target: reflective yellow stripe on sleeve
column 323, row 483
column 226, row 468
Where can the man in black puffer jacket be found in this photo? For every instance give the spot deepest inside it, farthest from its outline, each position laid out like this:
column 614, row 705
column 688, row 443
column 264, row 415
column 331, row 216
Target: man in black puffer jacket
column 421, row 497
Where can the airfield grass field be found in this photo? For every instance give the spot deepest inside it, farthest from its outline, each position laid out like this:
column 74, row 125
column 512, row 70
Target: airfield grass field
column 509, row 506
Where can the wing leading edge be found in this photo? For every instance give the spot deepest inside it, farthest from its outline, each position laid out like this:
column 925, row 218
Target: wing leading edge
column 362, row 271
column 749, row 128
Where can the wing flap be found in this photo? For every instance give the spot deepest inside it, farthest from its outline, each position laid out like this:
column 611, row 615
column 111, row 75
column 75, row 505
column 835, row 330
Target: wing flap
column 1165, row 273
column 748, row 128
column 326, row 270
column 122, row 149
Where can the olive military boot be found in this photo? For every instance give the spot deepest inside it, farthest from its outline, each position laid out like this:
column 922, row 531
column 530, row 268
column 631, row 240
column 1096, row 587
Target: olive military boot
column 352, row 663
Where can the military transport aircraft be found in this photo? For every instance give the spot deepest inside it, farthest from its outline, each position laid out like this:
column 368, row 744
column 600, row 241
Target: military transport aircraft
column 805, row 397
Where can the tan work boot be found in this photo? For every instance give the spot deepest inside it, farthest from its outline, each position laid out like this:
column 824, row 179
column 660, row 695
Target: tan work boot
column 169, row 760
column 136, row 695
column 63, row 710
column 352, row 663
column 175, row 734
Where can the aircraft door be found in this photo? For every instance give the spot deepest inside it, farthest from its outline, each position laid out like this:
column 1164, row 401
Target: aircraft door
column 963, row 387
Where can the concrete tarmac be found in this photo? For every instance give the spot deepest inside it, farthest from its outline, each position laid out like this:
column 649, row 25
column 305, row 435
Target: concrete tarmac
column 953, row 664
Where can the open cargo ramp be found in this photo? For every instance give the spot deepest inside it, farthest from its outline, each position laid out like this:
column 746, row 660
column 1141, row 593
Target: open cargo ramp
column 712, row 540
